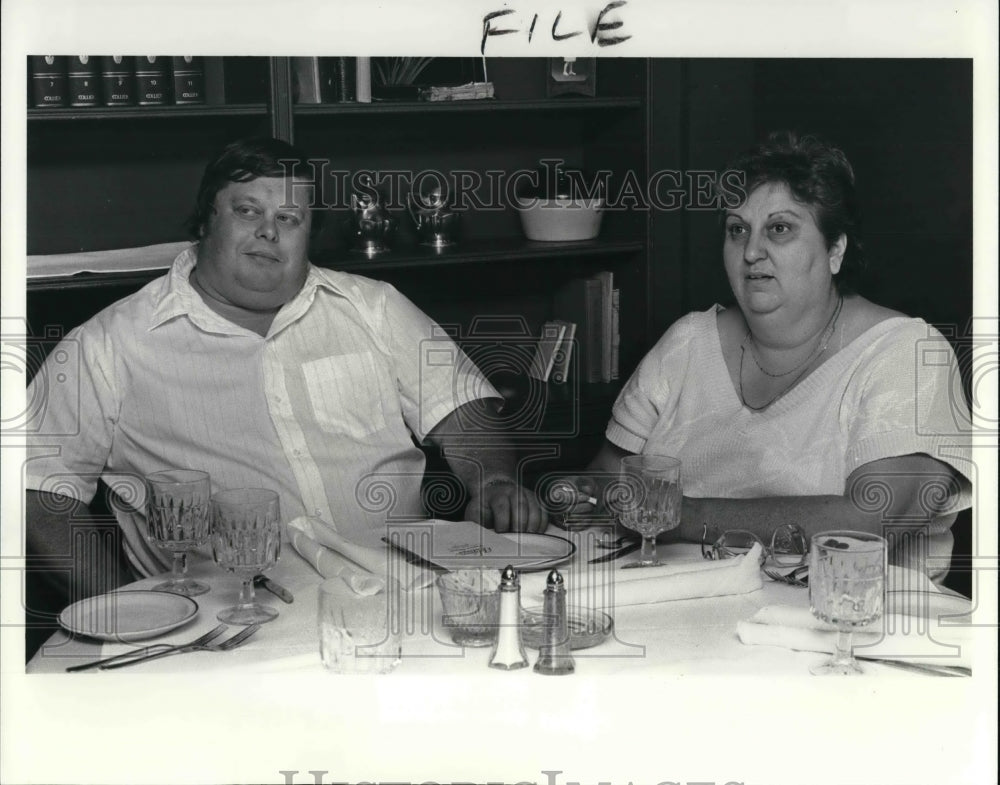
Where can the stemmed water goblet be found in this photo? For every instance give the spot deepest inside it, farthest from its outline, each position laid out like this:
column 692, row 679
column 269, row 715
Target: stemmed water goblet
column 177, row 516
column 647, row 499
column 246, row 540
column 846, row 589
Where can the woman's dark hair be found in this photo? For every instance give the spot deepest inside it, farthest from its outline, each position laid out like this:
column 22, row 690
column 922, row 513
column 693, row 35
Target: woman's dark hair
column 241, row 161
column 818, row 175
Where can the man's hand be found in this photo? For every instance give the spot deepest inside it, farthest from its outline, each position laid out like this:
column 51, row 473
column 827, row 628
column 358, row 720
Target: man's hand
column 575, row 496
column 505, row 506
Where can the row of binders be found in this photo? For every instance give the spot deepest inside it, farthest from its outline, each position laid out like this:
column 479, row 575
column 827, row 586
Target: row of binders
column 331, row 80
column 117, row 80
column 582, row 341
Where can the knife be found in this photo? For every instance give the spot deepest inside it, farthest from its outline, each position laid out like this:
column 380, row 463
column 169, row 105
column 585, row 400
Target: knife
column 625, row 551
column 279, row 591
column 919, row 667
column 413, row 558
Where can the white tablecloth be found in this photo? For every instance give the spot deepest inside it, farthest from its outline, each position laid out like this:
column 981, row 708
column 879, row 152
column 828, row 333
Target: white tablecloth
column 687, row 702
column 681, row 637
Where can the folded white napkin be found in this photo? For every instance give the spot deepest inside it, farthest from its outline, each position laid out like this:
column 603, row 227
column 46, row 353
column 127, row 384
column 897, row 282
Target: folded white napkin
column 918, row 627
column 607, row 585
column 363, row 567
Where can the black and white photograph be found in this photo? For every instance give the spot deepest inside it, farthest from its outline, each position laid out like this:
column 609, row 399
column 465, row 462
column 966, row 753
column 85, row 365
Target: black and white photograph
column 515, row 393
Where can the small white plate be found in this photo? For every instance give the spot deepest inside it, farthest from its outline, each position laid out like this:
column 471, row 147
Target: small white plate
column 128, row 615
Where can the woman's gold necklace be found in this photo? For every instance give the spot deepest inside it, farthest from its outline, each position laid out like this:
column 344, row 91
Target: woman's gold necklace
column 803, row 366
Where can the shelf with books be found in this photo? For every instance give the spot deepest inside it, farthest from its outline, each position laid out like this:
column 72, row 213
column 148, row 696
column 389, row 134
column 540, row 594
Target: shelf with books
column 492, row 269
column 465, row 107
column 69, row 113
column 106, row 87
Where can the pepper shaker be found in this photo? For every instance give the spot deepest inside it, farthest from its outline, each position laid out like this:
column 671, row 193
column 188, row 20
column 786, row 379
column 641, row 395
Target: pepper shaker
column 508, row 651
column 554, row 657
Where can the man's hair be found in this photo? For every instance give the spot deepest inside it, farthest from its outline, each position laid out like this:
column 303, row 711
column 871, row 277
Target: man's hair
column 242, row 161
column 820, row 177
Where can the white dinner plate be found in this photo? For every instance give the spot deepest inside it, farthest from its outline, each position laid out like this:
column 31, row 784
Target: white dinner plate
column 458, row 545
column 128, row 615
column 536, row 551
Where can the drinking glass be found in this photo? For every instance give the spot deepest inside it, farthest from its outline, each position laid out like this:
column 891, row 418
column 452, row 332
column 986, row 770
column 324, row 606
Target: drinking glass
column 648, row 500
column 470, row 601
column 246, row 540
column 846, row 589
column 359, row 633
column 177, row 520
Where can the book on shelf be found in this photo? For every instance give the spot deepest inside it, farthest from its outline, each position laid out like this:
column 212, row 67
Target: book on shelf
column 323, row 80
column 345, row 74
column 336, row 79
column 83, row 77
column 589, row 304
column 189, row 79
column 579, row 301
column 48, row 80
column 550, row 351
column 363, row 80
column 616, row 337
column 607, row 281
column 118, row 80
column 563, row 355
column 215, row 80
column 306, row 83
column 152, row 80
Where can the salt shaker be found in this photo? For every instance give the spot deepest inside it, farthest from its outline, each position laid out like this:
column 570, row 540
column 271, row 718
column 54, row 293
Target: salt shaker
column 554, row 657
column 508, row 651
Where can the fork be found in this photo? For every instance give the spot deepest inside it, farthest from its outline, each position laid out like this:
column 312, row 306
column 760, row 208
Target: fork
column 797, row 577
column 227, row 645
column 156, row 648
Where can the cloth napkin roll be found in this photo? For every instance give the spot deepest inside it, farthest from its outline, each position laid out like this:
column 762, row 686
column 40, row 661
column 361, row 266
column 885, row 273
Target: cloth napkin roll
column 363, row 567
column 607, row 586
column 896, row 636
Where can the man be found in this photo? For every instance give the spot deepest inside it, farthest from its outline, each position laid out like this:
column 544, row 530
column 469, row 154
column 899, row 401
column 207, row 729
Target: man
column 250, row 363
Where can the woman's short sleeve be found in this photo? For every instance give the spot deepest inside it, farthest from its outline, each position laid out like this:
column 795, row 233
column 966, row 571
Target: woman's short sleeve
column 651, row 392
column 907, row 397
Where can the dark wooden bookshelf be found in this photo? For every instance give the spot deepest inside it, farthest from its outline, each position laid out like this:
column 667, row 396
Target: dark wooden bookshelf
column 493, row 251
column 167, row 112
column 483, row 252
column 468, row 107
column 130, row 174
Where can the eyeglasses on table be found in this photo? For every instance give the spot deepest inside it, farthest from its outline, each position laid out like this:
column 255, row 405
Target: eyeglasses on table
column 784, row 560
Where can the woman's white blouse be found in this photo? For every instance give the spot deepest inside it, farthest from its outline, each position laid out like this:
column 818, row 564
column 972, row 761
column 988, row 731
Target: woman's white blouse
column 893, row 391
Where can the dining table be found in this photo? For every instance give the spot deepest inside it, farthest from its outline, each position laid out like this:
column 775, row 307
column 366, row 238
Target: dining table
column 674, row 674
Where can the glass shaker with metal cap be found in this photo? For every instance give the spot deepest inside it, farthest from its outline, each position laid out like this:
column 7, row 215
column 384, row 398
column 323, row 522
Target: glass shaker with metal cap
column 554, row 657
column 508, row 651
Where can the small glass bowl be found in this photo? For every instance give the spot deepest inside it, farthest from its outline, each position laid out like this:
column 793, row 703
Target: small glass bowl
column 586, row 627
column 471, row 606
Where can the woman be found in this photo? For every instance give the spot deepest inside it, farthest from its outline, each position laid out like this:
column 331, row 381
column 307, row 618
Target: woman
column 806, row 402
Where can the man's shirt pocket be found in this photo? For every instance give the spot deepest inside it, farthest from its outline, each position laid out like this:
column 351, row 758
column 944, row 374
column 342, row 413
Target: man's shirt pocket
column 345, row 393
